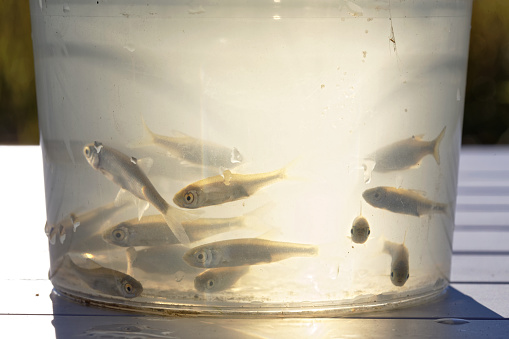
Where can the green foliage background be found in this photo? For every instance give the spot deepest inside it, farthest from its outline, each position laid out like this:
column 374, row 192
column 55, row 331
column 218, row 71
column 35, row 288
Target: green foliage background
column 486, row 103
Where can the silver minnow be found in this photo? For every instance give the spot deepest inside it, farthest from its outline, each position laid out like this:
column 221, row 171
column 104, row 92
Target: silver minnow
column 219, row 279
column 191, row 150
column 224, row 188
column 360, row 230
column 406, row 153
column 108, row 281
column 400, row 200
column 153, row 231
column 246, row 251
column 400, row 266
column 124, row 171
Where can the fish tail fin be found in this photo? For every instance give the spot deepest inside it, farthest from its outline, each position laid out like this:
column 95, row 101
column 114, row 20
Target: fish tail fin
column 146, row 140
column 283, row 172
column 436, row 146
column 174, row 218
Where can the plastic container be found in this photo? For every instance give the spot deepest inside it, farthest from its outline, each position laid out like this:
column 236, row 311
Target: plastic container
column 294, row 158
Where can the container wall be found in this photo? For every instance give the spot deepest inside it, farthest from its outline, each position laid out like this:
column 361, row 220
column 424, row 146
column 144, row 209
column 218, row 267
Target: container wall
column 301, row 116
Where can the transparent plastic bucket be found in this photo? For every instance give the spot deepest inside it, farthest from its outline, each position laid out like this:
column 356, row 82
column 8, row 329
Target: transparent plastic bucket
column 294, row 158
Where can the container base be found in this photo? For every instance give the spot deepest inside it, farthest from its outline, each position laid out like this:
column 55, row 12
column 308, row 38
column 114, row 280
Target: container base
column 363, row 304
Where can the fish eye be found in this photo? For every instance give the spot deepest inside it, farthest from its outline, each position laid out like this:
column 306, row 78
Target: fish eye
column 201, row 256
column 128, row 288
column 118, row 234
column 369, row 231
column 189, row 198
column 407, row 275
column 377, row 195
column 351, row 231
column 392, row 274
column 87, row 151
column 210, row 283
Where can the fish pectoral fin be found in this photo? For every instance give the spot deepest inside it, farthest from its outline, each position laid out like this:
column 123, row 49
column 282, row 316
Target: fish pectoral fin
column 417, row 137
column 227, row 175
column 145, row 164
column 142, row 207
column 123, row 196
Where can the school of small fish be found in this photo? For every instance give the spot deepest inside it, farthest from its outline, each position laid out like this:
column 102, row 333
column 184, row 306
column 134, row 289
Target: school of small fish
column 163, row 243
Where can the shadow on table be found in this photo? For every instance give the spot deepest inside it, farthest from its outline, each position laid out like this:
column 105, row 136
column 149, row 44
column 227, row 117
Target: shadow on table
column 75, row 320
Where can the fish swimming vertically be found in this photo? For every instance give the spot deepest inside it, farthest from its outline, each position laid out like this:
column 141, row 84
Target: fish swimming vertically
column 400, row 200
column 152, row 230
column 219, row 279
column 405, row 154
column 245, row 251
column 360, row 230
column 224, row 188
column 400, row 266
column 124, row 171
column 191, row 150
column 106, row 280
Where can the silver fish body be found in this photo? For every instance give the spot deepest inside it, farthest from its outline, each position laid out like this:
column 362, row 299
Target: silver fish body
column 192, row 150
column 406, row 153
column 219, row 279
column 245, row 251
column 108, row 281
column 153, row 231
column 400, row 266
column 360, row 230
column 399, row 200
column 161, row 260
column 225, row 188
column 124, row 171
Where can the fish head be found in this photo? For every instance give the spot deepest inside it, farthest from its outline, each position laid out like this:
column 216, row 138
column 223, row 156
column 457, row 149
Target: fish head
column 189, row 197
column 119, row 235
column 200, row 256
column 208, row 281
column 91, row 153
column 375, row 196
column 129, row 287
column 399, row 273
column 360, row 230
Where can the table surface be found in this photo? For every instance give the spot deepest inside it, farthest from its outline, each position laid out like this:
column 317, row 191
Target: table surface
column 476, row 305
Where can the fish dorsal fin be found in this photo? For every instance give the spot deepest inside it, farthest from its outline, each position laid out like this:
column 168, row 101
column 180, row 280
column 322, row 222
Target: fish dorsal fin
column 179, row 134
column 145, row 164
column 420, row 192
column 227, row 175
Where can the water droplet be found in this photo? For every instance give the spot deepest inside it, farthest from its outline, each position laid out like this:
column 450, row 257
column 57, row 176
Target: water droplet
column 66, row 9
column 452, row 321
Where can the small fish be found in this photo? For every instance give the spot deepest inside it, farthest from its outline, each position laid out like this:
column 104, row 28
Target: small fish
column 406, row 153
column 219, row 279
column 152, row 230
column 107, row 281
column 224, row 188
column 124, row 171
column 191, row 150
column 399, row 200
column 360, row 229
column 247, row 251
column 400, row 266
